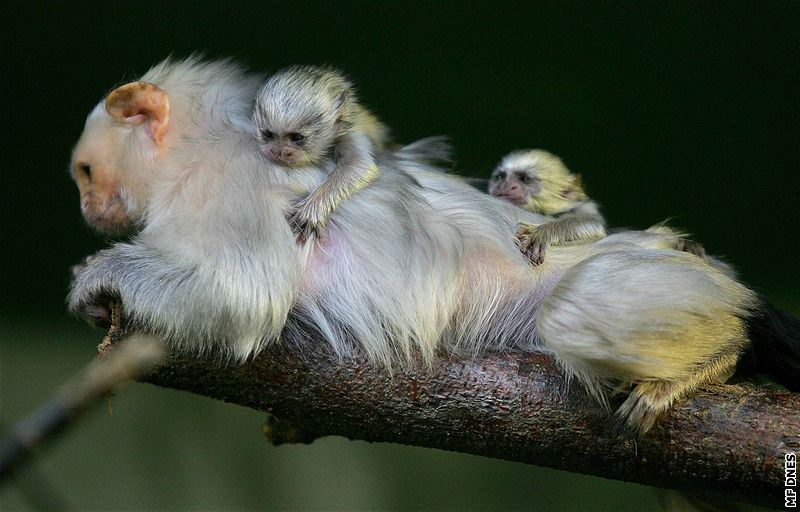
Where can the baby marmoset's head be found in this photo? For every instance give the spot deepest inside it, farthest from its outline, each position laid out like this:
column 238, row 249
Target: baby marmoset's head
column 301, row 111
column 537, row 181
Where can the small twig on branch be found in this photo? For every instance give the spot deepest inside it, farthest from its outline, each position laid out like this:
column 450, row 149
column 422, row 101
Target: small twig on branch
column 726, row 441
column 94, row 382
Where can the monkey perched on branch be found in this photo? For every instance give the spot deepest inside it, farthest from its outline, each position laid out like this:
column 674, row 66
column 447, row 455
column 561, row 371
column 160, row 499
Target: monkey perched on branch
column 308, row 115
column 417, row 263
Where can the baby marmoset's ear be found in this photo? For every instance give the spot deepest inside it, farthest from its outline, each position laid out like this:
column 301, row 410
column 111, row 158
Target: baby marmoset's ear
column 574, row 190
column 141, row 103
column 344, row 105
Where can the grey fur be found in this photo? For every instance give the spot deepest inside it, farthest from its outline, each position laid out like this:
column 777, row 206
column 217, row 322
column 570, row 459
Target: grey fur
column 319, row 106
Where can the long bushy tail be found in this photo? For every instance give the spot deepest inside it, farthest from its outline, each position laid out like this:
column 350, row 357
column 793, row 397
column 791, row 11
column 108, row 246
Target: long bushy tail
column 776, row 345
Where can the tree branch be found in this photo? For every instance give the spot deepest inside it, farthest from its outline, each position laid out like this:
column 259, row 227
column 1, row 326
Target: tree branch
column 727, row 441
column 86, row 388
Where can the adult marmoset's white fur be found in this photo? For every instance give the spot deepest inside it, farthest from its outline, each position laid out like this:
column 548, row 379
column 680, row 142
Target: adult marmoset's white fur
column 416, row 263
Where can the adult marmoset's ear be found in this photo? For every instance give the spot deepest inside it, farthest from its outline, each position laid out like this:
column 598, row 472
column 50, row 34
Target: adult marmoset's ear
column 141, row 103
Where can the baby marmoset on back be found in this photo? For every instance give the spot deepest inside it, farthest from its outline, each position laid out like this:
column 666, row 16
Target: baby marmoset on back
column 306, row 115
column 538, row 181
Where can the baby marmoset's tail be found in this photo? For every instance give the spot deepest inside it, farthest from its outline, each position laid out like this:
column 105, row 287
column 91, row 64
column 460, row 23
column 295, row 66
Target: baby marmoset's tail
column 433, row 150
column 663, row 321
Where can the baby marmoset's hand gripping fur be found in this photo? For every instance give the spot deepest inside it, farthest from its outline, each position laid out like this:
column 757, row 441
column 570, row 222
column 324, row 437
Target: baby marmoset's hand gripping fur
column 306, row 115
column 419, row 262
column 539, row 182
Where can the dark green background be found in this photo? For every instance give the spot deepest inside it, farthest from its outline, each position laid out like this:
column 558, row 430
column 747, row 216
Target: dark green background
column 687, row 110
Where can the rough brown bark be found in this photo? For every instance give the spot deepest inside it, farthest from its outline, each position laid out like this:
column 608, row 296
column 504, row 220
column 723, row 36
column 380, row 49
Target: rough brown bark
column 724, row 441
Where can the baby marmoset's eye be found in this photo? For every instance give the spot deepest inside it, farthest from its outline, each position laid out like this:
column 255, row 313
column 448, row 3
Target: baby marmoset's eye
column 524, row 177
column 267, row 135
column 297, row 137
column 499, row 176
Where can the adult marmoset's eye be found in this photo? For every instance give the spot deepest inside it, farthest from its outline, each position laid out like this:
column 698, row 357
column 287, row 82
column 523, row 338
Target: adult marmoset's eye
column 500, row 176
column 297, row 137
column 268, row 135
column 86, row 169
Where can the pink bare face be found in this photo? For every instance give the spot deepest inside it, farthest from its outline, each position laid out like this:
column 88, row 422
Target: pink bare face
column 286, row 149
column 101, row 203
column 113, row 187
column 100, row 179
column 514, row 186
